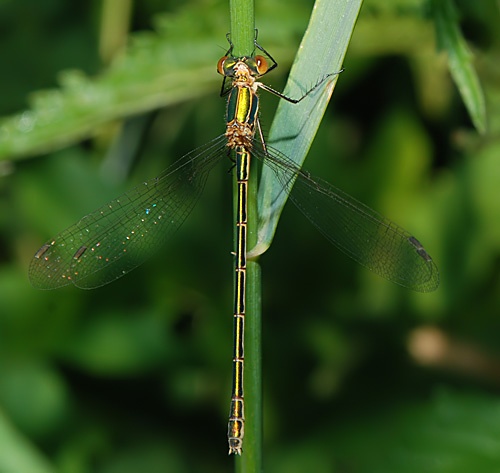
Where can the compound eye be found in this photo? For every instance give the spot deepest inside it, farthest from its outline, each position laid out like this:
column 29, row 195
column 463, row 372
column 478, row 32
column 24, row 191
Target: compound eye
column 220, row 65
column 262, row 65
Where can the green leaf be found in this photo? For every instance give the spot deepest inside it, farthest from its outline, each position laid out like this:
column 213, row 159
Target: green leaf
column 172, row 64
column 460, row 61
column 157, row 70
column 321, row 53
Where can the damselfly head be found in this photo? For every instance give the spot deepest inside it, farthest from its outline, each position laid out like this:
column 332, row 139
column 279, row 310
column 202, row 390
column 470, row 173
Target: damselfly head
column 228, row 66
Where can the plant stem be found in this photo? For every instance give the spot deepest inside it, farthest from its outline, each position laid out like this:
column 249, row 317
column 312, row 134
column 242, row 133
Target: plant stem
column 242, row 14
column 251, row 460
column 242, row 37
column 115, row 20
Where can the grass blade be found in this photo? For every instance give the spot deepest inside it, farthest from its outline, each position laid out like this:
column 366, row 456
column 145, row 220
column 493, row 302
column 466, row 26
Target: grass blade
column 321, row 52
column 450, row 39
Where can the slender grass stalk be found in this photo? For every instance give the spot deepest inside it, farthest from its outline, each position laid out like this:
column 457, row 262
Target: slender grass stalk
column 242, row 14
column 115, row 20
column 242, row 37
column 252, row 457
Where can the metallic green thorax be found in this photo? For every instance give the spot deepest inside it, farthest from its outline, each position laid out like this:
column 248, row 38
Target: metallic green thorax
column 242, row 106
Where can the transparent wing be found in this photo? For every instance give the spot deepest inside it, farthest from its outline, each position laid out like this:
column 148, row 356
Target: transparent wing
column 111, row 241
column 370, row 239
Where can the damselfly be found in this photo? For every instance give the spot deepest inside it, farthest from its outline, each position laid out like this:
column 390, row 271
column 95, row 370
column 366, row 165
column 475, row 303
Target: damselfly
column 113, row 240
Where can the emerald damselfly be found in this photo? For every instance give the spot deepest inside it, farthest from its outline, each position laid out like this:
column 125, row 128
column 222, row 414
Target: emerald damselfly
column 116, row 238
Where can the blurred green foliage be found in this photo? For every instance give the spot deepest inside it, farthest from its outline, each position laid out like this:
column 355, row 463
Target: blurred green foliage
column 360, row 375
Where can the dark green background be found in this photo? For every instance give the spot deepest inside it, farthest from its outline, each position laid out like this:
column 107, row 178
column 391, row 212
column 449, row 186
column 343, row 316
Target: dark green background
column 135, row 376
